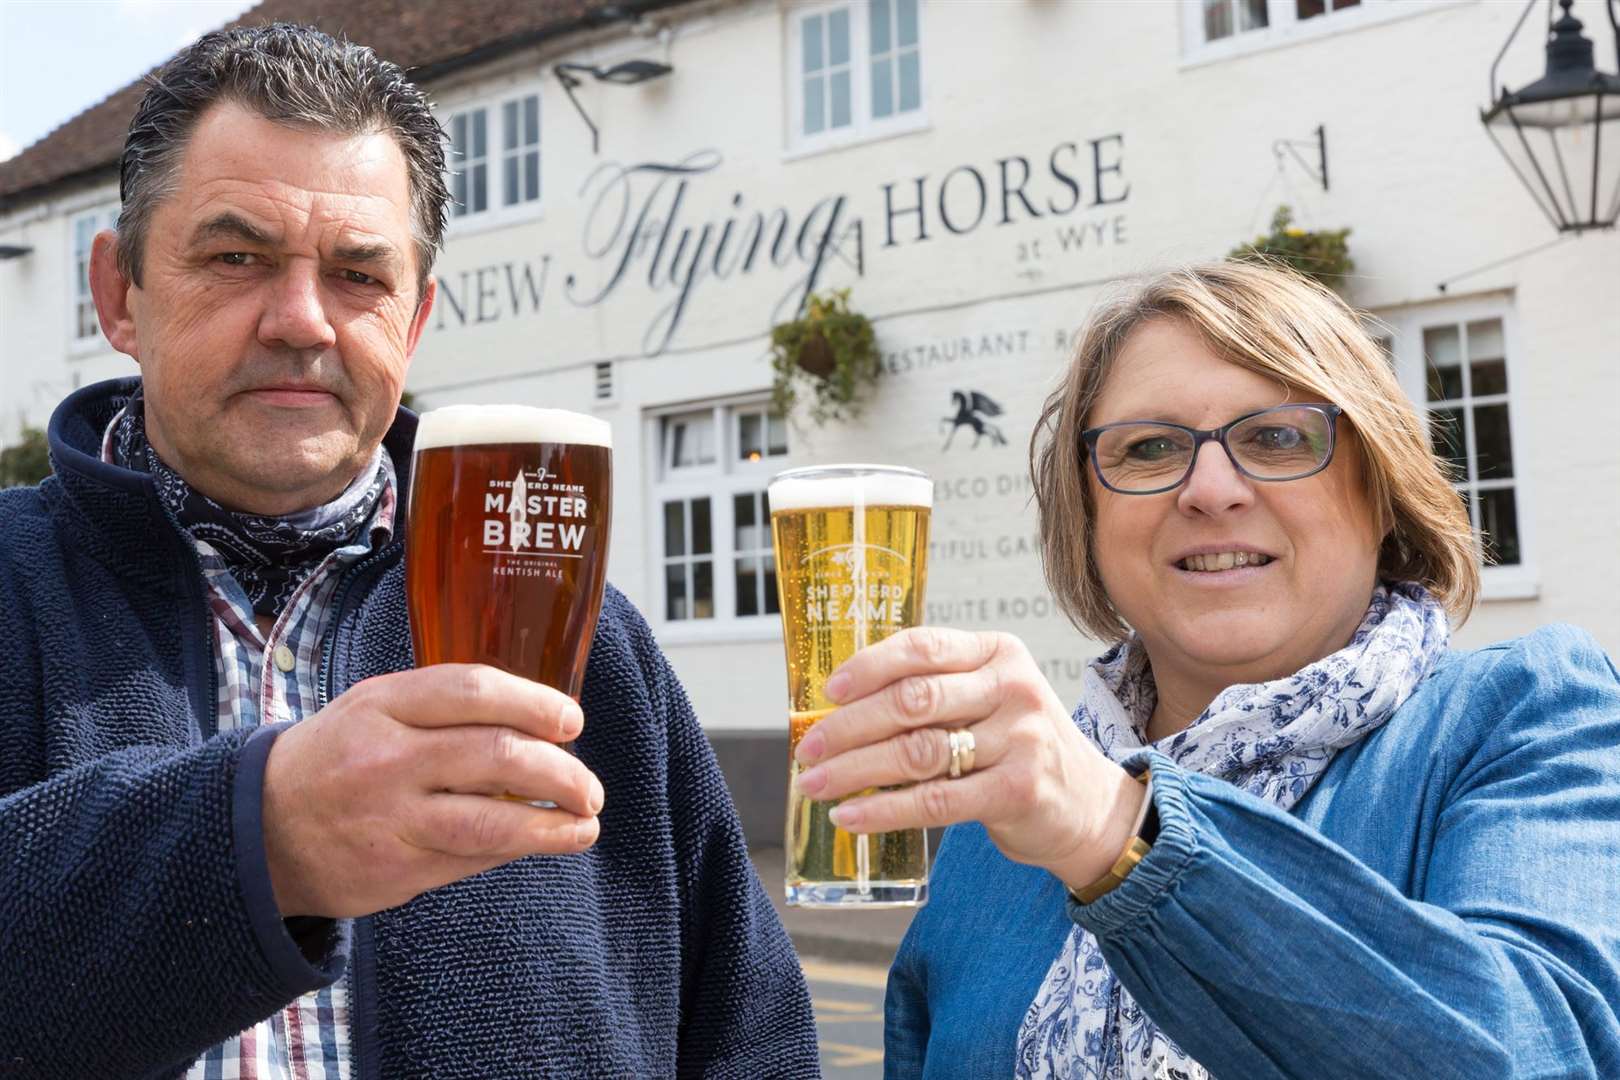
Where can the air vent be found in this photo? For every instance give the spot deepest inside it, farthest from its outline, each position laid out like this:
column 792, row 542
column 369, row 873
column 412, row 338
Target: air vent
column 604, row 380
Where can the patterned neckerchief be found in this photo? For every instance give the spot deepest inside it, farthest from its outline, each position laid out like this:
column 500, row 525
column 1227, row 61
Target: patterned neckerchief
column 268, row 556
column 1273, row 740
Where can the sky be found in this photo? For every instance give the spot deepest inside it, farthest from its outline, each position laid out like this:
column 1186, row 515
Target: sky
column 59, row 57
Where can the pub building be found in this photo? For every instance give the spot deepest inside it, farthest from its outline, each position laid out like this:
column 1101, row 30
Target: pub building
column 644, row 189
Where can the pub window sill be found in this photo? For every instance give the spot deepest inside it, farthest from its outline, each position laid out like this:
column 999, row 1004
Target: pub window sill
column 1505, row 583
column 812, row 146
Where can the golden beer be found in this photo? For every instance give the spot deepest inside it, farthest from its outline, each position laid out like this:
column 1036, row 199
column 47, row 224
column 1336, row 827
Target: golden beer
column 851, row 569
column 506, row 546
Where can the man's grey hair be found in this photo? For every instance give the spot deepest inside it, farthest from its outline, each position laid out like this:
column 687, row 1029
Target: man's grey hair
column 292, row 75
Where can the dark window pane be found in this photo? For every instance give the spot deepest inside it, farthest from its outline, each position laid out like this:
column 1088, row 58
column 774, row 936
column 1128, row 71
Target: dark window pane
column 509, row 126
column 511, row 195
column 812, row 44
column 480, row 188
column 674, row 529
column 1445, row 383
column 1488, row 377
column 772, row 604
column 815, row 104
column 1492, row 442
column 703, row 590
column 480, row 129
column 907, row 12
column 458, row 193
column 1340, row 4
column 776, row 428
column 1442, row 350
column 877, row 26
column 882, row 88
column 1446, row 434
column 1307, row 9
column 1217, row 19
column 747, row 530
column 458, row 134
column 531, row 120
column 910, row 82
column 675, row 592
column 838, row 37
column 531, row 176
column 1252, row 14
column 1499, row 522
column 702, row 543
column 748, row 586
column 839, row 85
column 750, row 440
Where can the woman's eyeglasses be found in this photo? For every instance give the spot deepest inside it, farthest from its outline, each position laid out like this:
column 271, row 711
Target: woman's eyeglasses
column 1146, row 457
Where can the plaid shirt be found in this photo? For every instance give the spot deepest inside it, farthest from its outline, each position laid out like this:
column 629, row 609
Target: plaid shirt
column 267, row 680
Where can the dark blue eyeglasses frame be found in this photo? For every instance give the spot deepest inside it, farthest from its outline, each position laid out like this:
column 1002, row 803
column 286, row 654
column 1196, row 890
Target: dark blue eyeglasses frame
column 1215, row 435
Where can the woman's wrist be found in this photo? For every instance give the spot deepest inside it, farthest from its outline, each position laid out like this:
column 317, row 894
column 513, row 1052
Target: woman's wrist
column 1129, row 802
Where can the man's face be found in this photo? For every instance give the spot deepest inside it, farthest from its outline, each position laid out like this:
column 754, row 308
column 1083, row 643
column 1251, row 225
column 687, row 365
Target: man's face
column 277, row 311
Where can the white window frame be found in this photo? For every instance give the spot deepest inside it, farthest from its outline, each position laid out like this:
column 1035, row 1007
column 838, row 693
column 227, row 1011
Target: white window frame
column 1284, row 27
column 727, row 477
column 1521, row 581
column 862, row 127
column 104, row 216
column 495, row 214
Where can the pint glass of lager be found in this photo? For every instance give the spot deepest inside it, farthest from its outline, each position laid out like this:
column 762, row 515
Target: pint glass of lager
column 851, row 567
column 507, row 542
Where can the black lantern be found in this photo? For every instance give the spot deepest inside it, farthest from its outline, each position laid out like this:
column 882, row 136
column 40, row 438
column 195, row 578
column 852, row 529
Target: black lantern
column 628, row 73
column 1561, row 133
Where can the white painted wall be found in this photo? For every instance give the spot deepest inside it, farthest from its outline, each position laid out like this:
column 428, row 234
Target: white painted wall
column 1412, row 173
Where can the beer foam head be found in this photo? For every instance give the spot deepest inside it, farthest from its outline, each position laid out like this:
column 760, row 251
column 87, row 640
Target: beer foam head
column 850, row 485
column 473, row 425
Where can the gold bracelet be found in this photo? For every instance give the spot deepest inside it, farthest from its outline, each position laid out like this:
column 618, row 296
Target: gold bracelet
column 1134, row 852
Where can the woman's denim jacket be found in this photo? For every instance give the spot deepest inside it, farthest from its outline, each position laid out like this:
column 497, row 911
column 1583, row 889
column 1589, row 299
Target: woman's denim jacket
column 1445, row 902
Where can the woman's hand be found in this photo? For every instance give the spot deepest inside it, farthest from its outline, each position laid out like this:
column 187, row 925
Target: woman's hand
column 1046, row 795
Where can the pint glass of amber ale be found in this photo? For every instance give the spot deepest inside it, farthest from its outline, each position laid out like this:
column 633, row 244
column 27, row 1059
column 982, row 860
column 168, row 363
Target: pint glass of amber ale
column 506, row 546
column 851, row 567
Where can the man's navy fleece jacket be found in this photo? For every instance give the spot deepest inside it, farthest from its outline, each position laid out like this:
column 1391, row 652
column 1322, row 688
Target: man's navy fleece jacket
column 137, row 925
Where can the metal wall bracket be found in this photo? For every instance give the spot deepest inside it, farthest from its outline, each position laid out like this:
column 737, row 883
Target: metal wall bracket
column 1292, row 147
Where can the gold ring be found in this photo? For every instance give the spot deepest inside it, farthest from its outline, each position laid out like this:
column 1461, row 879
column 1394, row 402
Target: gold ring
column 962, row 747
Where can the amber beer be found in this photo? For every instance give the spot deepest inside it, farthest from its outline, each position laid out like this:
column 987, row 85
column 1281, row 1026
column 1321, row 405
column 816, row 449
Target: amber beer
column 506, row 548
column 851, row 565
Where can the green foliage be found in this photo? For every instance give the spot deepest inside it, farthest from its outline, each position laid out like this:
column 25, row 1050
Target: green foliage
column 831, row 352
column 28, row 462
column 1324, row 255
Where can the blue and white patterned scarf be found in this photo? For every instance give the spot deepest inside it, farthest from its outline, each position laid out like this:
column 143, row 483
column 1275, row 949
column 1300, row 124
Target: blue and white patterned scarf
column 1272, row 740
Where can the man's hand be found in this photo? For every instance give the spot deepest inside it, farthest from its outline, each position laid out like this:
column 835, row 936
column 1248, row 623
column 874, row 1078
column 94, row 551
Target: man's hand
column 393, row 789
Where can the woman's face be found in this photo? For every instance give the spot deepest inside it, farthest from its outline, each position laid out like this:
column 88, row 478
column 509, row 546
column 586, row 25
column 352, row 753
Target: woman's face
column 1244, row 624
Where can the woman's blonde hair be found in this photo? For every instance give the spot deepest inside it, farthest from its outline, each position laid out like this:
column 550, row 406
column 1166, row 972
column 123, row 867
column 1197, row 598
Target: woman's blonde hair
column 1286, row 327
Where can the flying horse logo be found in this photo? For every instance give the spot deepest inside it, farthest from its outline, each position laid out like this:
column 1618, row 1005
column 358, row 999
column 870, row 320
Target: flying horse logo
column 972, row 408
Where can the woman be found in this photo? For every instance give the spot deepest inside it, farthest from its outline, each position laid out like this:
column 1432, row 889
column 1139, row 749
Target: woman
column 1286, row 833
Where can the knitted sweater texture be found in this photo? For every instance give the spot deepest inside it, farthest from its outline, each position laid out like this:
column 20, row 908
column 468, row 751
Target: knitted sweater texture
column 137, row 924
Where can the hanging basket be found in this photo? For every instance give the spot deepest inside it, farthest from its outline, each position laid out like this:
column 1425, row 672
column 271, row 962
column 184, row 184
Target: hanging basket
column 829, row 356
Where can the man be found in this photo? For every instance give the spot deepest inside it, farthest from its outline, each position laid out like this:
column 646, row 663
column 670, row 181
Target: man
column 238, row 835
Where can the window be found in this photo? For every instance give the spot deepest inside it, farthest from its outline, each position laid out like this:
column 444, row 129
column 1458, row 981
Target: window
column 495, row 157
column 1216, row 28
column 855, row 69
column 1223, row 18
column 1454, row 362
column 84, row 326
column 715, row 562
column 1466, row 395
